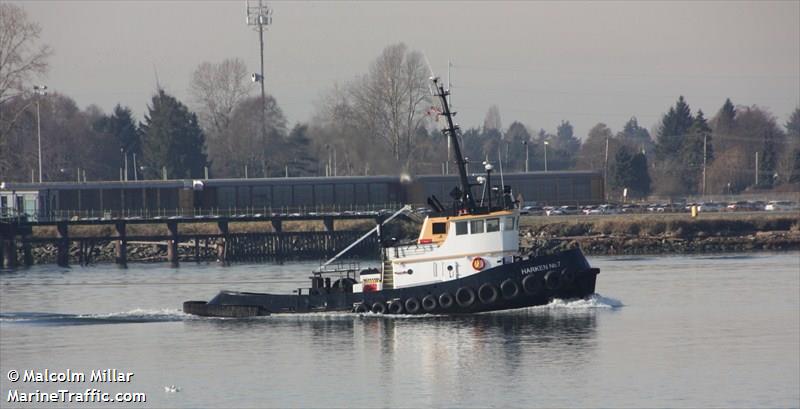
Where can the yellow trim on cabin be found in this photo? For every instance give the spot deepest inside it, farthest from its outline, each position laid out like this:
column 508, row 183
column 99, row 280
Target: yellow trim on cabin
column 426, row 232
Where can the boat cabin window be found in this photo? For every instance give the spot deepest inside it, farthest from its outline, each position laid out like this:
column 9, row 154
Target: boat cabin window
column 439, row 228
column 509, row 223
column 476, row 226
column 461, row 228
column 492, row 225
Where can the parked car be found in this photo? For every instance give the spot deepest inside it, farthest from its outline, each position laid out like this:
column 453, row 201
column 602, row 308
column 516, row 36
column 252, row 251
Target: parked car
column 743, row 206
column 710, row 207
column 569, row 210
column 552, row 211
column 591, row 210
column 631, row 208
column 608, row 209
column 781, row 206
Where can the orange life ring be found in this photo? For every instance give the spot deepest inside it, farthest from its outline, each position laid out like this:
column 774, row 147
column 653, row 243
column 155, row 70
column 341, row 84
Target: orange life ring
column 478, row 263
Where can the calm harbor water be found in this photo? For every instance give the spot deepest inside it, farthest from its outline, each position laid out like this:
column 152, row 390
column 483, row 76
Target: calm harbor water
column 700, row 331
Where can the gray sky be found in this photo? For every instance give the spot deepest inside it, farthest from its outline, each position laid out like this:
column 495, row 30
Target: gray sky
column 540, row 62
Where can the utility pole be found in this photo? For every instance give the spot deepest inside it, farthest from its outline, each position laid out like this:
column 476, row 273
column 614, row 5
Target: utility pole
column 527, row 155
column 545, row 155
column 40, row 90
column 756, row 184
column 260, row 16
column 705, row 141
column 605, row 171
column 125, row 162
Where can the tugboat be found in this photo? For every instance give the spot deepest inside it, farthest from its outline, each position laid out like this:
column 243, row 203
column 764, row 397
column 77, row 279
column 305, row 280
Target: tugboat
column 466, row 260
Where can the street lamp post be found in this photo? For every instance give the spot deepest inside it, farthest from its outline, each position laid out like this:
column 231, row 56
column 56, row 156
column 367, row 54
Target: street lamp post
column 125, row 163
column 527, row 154
column 545, row 155
column 40, row 90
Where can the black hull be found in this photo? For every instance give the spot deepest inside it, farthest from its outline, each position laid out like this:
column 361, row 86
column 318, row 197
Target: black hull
column 524, row 283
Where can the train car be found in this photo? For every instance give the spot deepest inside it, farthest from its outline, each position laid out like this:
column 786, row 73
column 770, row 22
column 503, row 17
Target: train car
column 552, row 188
column 280, row 194
column 302, row 193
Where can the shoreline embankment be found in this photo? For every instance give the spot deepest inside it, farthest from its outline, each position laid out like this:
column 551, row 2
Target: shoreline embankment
column 662, row 233
column 621, row 234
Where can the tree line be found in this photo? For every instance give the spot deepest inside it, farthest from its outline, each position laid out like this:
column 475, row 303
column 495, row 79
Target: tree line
column 381, row 122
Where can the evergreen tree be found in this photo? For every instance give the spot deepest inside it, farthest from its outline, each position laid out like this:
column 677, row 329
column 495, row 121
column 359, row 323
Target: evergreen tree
column 471, row 146
column 518, row 140
column 635, row 136
column 121, row 126
column 302, row 163
column 793, row 145
column 629, row 170
column 621, row 174
column 673, row 130
column 172, row 138
column 640, row 184
column 725, row 117
column 692, row 153
column 564, row 146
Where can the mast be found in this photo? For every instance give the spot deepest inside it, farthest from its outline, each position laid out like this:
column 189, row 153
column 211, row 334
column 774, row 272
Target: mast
column 451, row 131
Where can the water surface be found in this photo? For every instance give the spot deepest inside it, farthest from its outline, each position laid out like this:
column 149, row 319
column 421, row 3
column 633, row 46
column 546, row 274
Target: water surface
column 702, row 331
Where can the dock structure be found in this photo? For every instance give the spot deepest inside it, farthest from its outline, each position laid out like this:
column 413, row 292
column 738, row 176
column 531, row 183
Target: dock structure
column 221, row 244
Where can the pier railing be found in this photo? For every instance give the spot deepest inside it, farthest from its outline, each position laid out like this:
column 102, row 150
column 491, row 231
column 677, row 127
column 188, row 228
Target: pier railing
column 232, row 213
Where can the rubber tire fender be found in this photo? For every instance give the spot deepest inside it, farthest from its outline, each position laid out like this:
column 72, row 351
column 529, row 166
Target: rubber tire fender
column 412, row 305
column 567, row 277
column 445, row 300
column 429, row 303
column 553, row 280
column 395, row 307
column 465, row 297
column 361, row 308
column 509, row 289
column 379, row 307
column 532, row 285
column 487, row 293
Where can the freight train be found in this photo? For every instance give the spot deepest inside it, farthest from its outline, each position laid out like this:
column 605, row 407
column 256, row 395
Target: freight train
column 288, row 194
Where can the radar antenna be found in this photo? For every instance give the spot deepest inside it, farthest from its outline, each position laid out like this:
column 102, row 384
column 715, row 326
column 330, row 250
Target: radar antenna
column 466, row 202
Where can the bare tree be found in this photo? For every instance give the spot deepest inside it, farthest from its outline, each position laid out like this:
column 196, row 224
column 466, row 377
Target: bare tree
column 492, row 119
column 242, row 144
column 20, row 59
column 592, row 154
column 217, row 89
column 391, row 99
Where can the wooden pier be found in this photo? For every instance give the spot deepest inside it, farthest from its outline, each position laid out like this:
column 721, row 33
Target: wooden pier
column 221, row 244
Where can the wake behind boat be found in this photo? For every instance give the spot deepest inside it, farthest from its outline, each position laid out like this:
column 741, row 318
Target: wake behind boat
column 466, row 259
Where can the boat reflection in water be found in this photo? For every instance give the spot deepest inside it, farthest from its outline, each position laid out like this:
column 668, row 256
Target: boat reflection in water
column 433, row 353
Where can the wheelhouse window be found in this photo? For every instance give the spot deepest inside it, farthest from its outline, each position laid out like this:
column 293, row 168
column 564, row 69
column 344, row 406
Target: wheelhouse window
column 476, row 226
column 439, row 228
column 461, row 228
column 492, row 225
column 509, row 223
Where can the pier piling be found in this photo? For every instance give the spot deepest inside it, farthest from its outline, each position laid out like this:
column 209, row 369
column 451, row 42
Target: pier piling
column 222, row 248
column 9, row 253
column 172, row 244
column 63, row 244
column 27, row 254
column 121, row 249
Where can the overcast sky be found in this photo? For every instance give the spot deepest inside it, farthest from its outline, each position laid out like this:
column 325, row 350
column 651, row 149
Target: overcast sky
column 540, row 62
